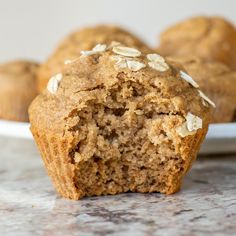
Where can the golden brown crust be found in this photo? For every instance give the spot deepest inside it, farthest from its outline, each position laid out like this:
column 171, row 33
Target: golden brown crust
column 108, row 129
column 211, row 38
column 84, row 39
column 18, row 87
column 217, row 81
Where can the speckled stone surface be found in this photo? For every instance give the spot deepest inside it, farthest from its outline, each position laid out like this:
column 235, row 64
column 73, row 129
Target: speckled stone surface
column 206, row 205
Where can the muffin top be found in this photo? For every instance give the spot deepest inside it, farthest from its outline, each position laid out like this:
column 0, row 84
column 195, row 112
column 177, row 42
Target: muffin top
column 211, row 38
column 121, row 79
column 18, row 75
column 85, row 39
column 214, row 77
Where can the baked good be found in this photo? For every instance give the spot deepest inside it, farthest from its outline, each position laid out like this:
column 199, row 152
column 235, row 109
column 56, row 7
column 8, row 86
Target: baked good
column 18, row 87
column 217, row 81
column 118, row 120
column 211, row 38
column 84, row 39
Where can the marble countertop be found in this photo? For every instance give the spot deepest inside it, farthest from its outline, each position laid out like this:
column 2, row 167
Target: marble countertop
column 206, row 205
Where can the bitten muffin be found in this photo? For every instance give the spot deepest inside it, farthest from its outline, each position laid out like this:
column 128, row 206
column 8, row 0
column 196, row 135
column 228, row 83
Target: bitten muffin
column 216, row 80
column 18, row 87
column 118, row 120
column 85, row 39
column 211, row 38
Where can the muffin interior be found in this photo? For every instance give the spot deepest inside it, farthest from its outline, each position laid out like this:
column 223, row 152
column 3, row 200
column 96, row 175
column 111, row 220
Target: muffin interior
column 126, row 143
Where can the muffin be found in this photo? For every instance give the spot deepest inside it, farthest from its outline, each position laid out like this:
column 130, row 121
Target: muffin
column 85, row 39
column 18, row 87
column 210, row 38
column 217, row 81
column 118, row 120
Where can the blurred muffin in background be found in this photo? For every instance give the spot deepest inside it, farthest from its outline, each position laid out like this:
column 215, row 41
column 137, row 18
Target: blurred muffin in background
column 217, row 81
column 210, row 38
column 18, row 87
column 85, row 39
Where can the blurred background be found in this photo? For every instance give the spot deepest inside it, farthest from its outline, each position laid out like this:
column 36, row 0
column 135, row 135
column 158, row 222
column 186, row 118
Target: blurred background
column 30, row 29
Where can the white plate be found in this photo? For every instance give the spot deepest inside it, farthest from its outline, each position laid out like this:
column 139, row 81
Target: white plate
column 15, row 129
column 221, row 138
